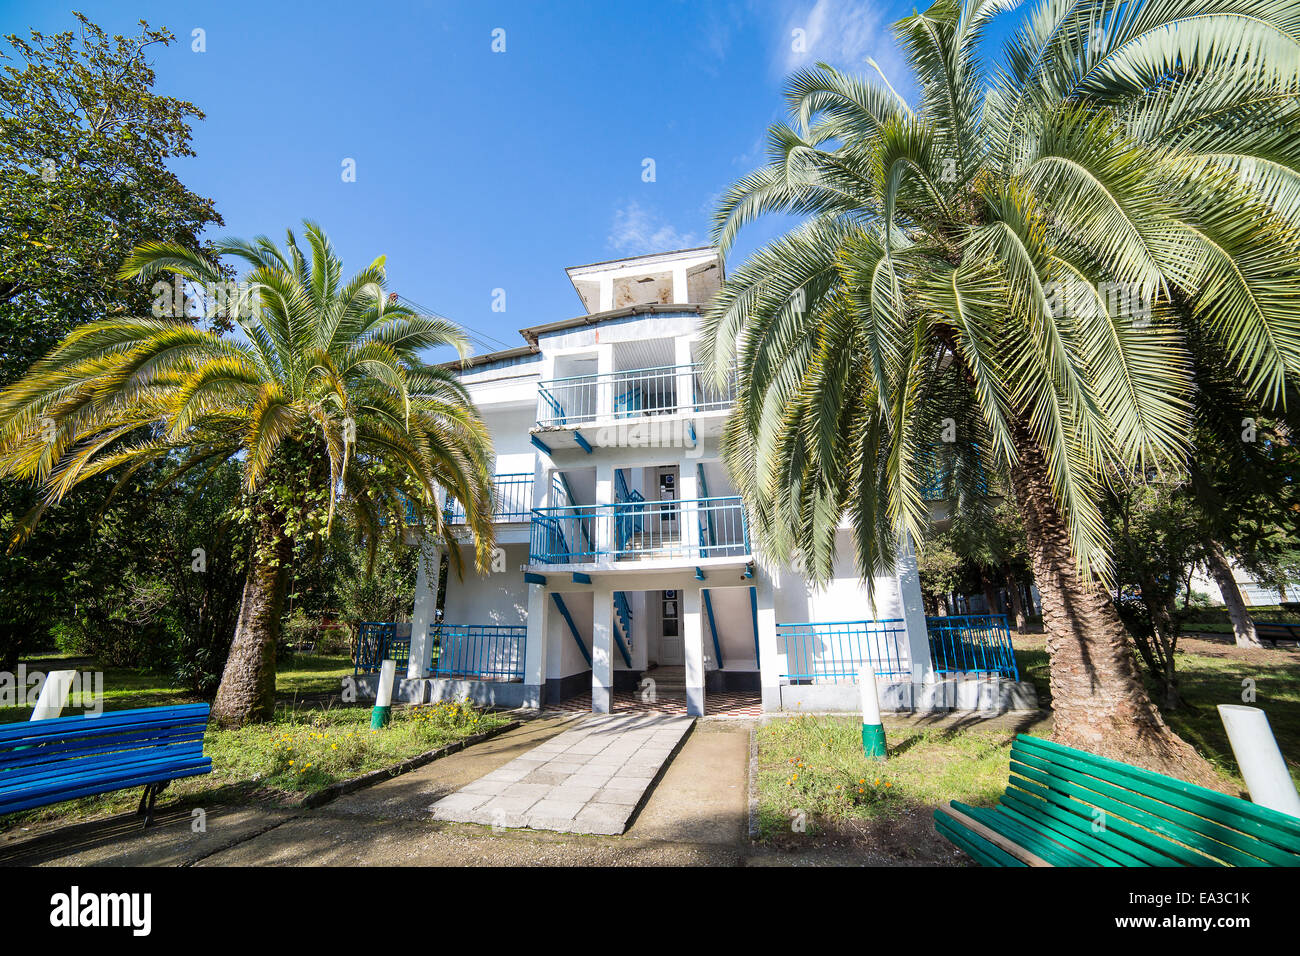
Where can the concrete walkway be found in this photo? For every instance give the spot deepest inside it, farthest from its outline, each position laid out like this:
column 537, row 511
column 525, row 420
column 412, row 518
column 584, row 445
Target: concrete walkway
column 589, row 779
column 695, row 815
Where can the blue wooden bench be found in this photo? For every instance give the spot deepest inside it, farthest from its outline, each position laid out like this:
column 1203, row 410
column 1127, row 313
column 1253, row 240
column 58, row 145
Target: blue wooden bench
column 1066, row 807
column 47, row 761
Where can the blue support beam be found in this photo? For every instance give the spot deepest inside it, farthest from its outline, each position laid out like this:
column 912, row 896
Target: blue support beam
column 699, row 574
column 753, row 610
column 531, row 578
column 573, row 628
column 582, row 442
column 713, row 625
column 580, row 578
column 623, row 611
column 538, row 443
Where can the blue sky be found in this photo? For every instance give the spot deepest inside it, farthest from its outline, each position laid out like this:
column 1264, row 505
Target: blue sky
column 479, row 170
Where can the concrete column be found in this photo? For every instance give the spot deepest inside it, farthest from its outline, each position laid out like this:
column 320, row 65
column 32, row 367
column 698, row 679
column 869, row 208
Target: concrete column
column 685, row 380
column 770, row 658
column 535, row 649
column 603, row 530
column 688, row 490
column 693, row 641
column 909, row 593
column 426, row 600
column 604, row 382
column 602, row 650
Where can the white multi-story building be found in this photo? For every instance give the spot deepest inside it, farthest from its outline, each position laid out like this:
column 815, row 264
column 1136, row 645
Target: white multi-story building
column 624, row 553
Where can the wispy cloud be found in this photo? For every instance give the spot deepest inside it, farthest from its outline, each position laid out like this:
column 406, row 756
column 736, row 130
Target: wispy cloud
column 637, row 229
column 843, row 33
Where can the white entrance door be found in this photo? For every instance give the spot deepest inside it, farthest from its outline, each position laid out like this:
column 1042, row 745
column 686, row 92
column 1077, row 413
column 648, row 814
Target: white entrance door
column 670, row 645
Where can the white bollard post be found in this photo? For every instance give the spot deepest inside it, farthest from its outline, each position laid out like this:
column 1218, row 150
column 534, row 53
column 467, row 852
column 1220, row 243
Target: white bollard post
column 54, row 693
column 383, row 695
column 1261, row 763
column 873, row 731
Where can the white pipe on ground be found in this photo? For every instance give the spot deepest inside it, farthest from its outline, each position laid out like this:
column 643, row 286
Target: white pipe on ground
column 54, row 692
column 1259, row 758
column 384, row 692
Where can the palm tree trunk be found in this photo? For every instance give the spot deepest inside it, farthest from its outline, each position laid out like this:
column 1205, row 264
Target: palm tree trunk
column 1098, row 700
column 247, row 691
column 1242, row 626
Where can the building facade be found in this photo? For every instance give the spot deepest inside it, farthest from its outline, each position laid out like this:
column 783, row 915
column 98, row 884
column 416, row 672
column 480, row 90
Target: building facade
column 624, row 557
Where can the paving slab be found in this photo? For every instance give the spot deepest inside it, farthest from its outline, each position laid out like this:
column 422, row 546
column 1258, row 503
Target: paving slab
column 588, row 779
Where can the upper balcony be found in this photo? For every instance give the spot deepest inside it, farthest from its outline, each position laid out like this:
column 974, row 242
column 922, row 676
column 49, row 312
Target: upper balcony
column 624, row 397
column 512, row 498
column 635, row 535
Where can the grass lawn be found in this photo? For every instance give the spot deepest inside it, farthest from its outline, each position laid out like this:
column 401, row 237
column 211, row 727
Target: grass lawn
column 813, row 765
column 124, row 688
column 304, row 749
column 812, row 774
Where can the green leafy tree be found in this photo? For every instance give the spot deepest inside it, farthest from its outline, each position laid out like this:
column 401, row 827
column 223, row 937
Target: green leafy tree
column 1017, row 254
column 942, row 568
column 85, row 145
column 1243, row 484
column 1158, row 539
column 323, row 399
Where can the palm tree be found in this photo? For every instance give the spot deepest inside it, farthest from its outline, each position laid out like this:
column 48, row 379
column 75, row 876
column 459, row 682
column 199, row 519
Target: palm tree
column 1014, row 262
column 323, row 399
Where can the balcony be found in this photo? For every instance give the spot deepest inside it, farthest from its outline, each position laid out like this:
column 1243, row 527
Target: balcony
column 629, row 395
column 512, row 496
column 632, row 533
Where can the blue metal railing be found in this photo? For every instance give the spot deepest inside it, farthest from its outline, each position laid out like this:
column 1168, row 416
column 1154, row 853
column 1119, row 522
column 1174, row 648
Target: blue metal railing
column 972, row 642
column 377, row 641
column 623, row 611
column 493, row 652
column 640, row 529
column 512, row 500
column 634, row 393
column 831, row 651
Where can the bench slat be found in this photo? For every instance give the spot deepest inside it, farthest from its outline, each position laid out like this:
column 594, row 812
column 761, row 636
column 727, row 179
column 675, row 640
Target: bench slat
column 1185, row 846
column 92, row 789
column 1066, row 835
column 92, row 765
column 58, row 727
column 121, row 772
column 983, row 851
column 43, row 754
column 1029, row 838
column 1112, row 846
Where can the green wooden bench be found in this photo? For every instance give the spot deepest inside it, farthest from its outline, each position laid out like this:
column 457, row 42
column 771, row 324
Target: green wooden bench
column 1065, row 807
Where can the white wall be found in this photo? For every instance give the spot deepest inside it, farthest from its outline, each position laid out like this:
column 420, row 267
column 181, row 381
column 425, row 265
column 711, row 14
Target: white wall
column 844, row 598
column 735, row 621
column 563, row 656
column 488, row 598
column 509, row 428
